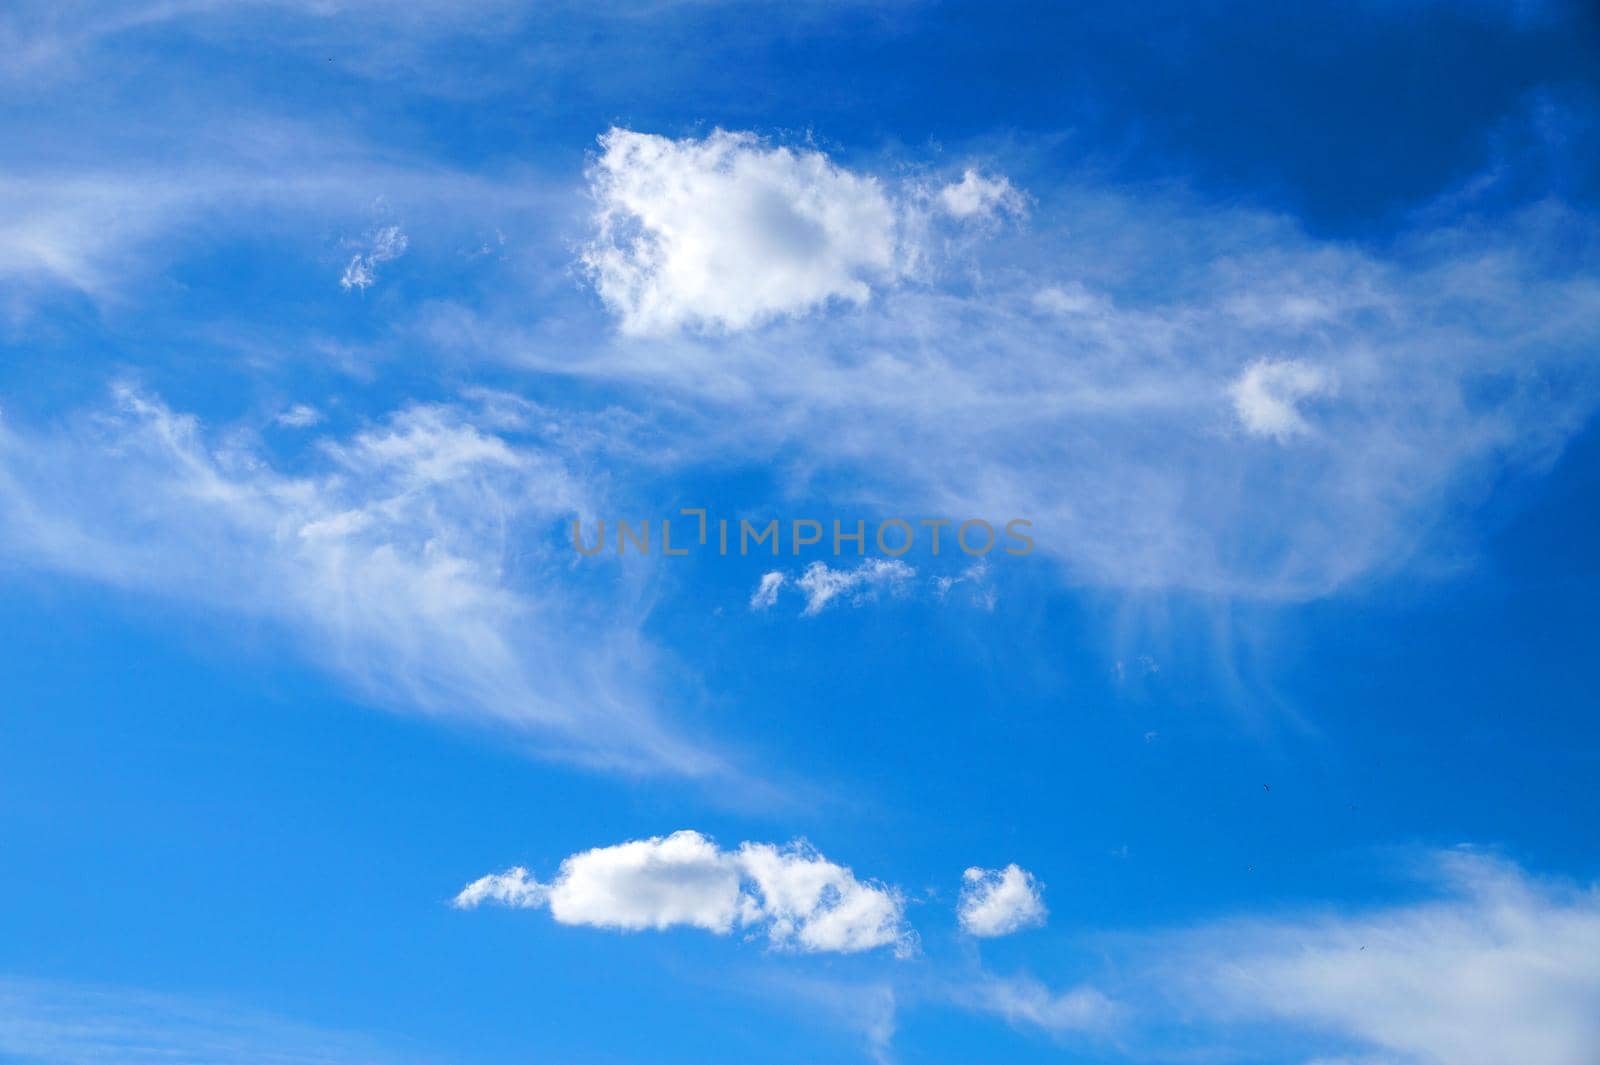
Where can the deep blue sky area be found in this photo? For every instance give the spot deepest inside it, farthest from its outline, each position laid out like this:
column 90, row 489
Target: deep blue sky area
column 320, row 323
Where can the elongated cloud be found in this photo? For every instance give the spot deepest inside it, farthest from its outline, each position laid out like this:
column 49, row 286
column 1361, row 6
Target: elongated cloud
column 1503, row 968
column 792, row 894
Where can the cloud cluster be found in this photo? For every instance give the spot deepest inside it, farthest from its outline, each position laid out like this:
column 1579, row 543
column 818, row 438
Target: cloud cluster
column 1125, row 374
column 997, row 902
column 792, row 894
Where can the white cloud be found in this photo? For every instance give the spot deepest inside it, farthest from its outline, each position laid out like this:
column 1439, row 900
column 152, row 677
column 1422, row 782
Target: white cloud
column 817, row 905
column 822, row 585
column 997, row 902
column 766, row 592
column 1267, row 396
column 976, row 576
column 1505, row 968
column 977, row 196
column 387, row 244
column 862, row 584
column 798, row 898
column 681, row 879
column 389, row 562
column 729, row 233
column 513, row 888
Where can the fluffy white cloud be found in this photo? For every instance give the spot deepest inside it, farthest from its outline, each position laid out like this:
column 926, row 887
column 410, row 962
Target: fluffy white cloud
column 1505, row 968
column 728, row 232
column 385, row 556
column 795, row 895
column 681, row 879
column 997, row 902
column 1268, row 394
column 817, row 905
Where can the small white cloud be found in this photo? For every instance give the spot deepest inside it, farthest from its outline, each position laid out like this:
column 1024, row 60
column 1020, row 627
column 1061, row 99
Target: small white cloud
column 975, row 575
column 797, row 897
column 766, row 592
column 299, row 416
column 997, row 902
column 1267, row 395
column 822, row 585
column 976, row 197
column 388, row 244
column 514, row 888
column 726, row 232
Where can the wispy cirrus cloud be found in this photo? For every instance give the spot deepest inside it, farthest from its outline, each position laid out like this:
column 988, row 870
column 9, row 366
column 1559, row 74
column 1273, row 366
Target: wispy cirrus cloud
column 419, row 560
column 1499, row 966
column 361, row 272
column 52, row 1023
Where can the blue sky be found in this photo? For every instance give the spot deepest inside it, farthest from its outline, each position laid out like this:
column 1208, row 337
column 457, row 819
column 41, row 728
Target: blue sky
column 323, row 322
